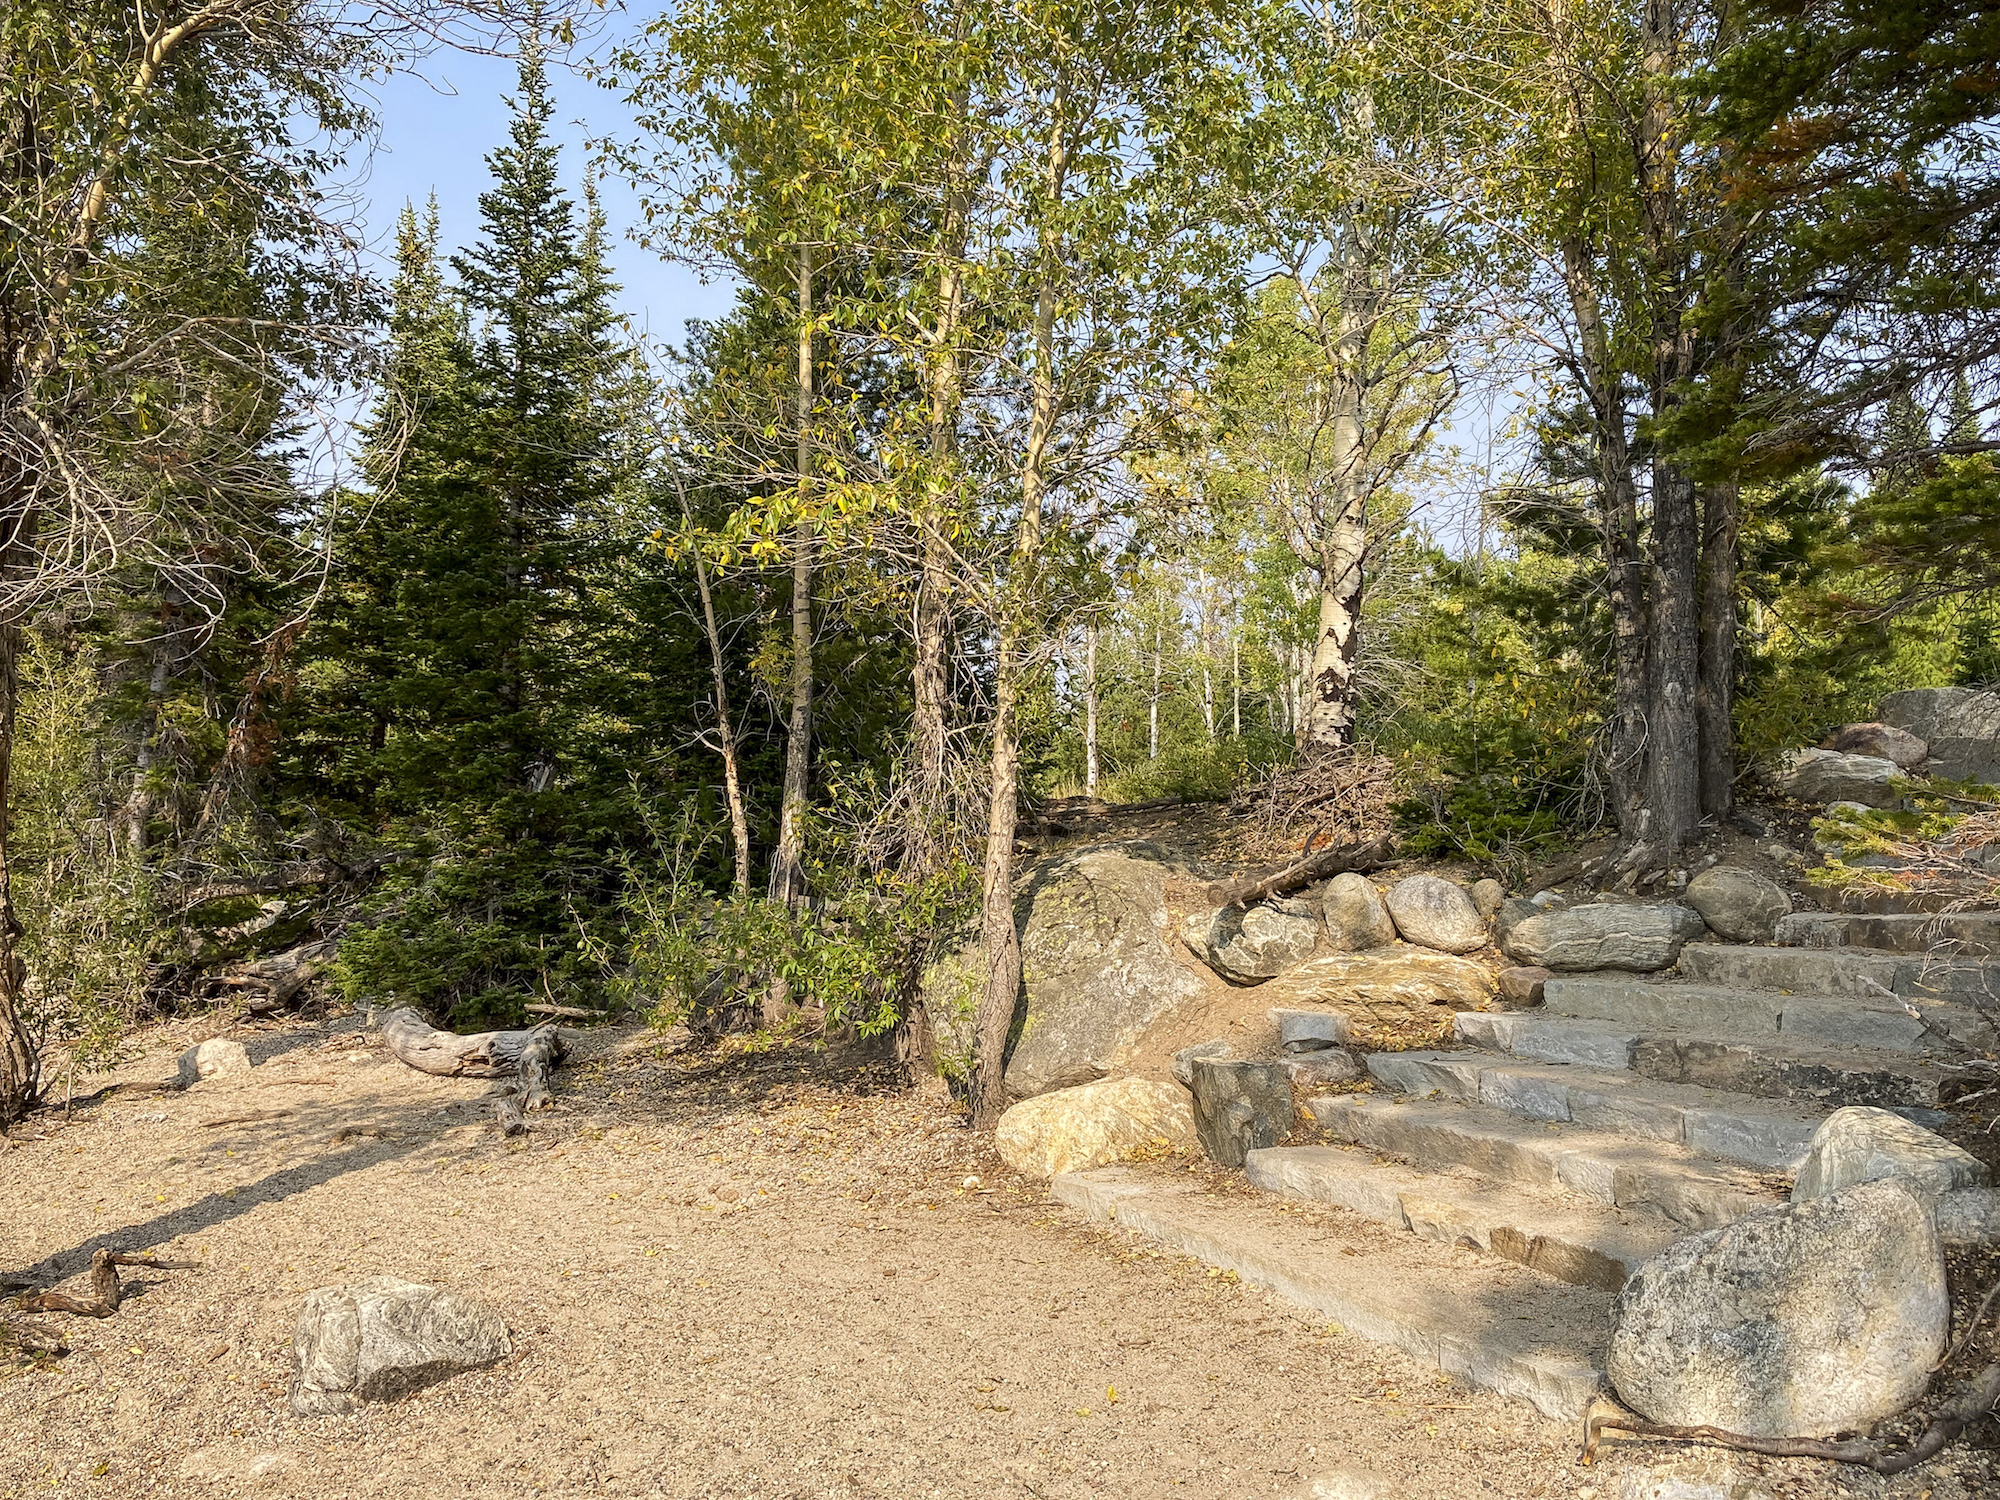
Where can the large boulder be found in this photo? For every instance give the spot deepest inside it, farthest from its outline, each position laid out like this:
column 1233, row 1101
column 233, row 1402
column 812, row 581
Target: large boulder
column 1862, row 1144
column 1434, row 913
column 1820, row 1318
column 1883, row 741
column 1247, row 945
column 381, row 1339
column 1741, row 905
column 1184, row 1060
column 1240, row 1107
column 1356, row 916
column 217, row 1057
column 1640, row 937
column 1947, row 713
column 1517, row 909
column 1828, row 776
column 1094, row 1125
column 1385, row 982
column 1098, row 967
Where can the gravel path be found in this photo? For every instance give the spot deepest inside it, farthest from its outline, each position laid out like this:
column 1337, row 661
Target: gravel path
column 750, row 1275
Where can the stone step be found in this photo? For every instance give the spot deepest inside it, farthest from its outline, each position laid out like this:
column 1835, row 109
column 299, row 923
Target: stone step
column 1768, row 1068
column 1485, row 1321
column 1568, row 1238
column 1653, row 1176
column 1725, row 1126
column 1966, row 934
column 1700, row 1009
column 1842, row 971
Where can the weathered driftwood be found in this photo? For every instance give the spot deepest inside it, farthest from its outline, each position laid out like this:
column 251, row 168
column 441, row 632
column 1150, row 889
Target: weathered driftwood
column 1335, row 861
column 274, row 982
column 566, row 1012
column 507, row 1112
column 528, row 1055
column 106, row 1293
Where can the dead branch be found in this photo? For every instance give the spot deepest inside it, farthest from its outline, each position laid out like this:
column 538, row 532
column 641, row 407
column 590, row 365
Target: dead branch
column 487, row 1054
column 567, row 1012
column 106, row 1293
column 1338, row 860
column 255, row 1117
column 507, row 1112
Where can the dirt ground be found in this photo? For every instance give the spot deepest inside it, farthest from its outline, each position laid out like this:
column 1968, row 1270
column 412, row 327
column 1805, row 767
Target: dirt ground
column 753, row 1274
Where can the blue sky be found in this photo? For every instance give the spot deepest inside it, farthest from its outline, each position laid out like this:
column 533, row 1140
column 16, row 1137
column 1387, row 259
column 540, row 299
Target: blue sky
column 436, row 130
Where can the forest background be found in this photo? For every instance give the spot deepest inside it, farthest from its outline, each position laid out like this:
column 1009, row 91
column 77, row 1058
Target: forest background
column 1091, row 421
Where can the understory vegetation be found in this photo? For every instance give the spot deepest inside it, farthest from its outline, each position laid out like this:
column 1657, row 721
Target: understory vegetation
column 1579, row 407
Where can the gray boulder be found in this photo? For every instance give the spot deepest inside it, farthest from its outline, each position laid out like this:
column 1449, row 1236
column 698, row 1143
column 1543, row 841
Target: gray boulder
column 1356, row 917
column 1862, row 1144
column 1328, row 1065
column 218, row 1057
column 381, row 1339
column 1434, row 913
column 1606, row 935
column 1184, row 1060
column 1098, row 968
column 1240, row 1107
column 1951, row 713
column 1828, row 776
column 1741, row 905
column 1970, row 1217
column 1247, row 945
column 1517, row 909
column 1883, row 741
column 1821, row 1318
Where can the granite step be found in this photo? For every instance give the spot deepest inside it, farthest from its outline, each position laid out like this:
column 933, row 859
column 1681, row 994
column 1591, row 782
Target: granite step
column 1844, row 971
column 1655, row 1176
column 1570, row 1239
column 1762, row 1067
column 1969, row 934
column 1709, row 1122
column 1483, row 1320
column 1878, row 1022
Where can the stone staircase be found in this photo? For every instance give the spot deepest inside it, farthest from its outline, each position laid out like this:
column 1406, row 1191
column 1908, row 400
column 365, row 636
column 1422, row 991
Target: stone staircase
column 1579, row 1139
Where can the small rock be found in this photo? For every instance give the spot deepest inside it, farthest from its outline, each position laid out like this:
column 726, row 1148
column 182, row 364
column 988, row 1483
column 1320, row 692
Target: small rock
column 1883, row 741
column 1093, row 1125
column 1356, row 917
column 216, row 1058
column 1310, row 1070
column 1820, row 1318
column 381, row 1339
column 1739, row 904
column 1247, row 945
column 1521, row 987
column 1240, row 1107
column 1308, row 1030
column 1434, row 913
column 1745, row 821
column 1606, row 935
column 1184, row 1059
column 1862, row 1144
column 1827, row 776
column 1486, row 897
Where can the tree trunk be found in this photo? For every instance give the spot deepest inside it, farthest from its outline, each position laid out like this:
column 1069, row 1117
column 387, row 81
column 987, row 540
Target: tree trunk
column 1090, row 711
column 1016, row 603
column 1153, row 699
column 725, row 729
column 1236, row 680
column 1715, row 688
column 20, row 1062
column 787, row 860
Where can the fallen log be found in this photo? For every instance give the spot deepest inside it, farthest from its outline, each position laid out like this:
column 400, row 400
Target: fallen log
column 106, row 1293
column 1338, row 860
column 507, row 1112
column 566, row 1012
column 528, row 1055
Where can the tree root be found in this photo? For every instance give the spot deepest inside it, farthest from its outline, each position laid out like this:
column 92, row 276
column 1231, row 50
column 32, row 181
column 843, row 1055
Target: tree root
column 1975, row 1399
column 104, row 1286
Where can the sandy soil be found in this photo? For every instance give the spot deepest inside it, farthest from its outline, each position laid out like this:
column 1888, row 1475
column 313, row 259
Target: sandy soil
column 758, row 1275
